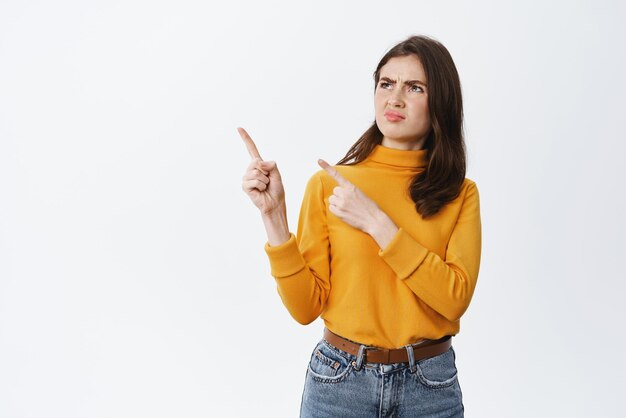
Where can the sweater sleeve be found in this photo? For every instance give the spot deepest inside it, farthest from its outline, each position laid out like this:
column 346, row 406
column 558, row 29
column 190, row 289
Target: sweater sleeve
column 301, row 266
column 446, row 285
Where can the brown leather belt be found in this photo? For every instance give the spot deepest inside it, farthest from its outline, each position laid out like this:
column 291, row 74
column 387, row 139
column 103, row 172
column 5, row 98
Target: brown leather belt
column 425, row 349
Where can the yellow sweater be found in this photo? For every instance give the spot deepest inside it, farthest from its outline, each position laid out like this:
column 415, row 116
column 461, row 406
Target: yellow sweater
column 417, row 287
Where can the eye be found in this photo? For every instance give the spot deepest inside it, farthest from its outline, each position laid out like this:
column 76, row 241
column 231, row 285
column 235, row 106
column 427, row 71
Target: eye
column 384, row 85
column 416, row 88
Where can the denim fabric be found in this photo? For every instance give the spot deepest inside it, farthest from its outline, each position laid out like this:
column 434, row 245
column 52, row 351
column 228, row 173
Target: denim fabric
column 339, row 384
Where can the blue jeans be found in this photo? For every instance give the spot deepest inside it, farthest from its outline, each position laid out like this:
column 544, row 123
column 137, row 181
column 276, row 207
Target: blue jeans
column 339, row 384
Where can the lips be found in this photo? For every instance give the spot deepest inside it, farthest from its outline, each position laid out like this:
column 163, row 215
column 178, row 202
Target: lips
column 394, row 116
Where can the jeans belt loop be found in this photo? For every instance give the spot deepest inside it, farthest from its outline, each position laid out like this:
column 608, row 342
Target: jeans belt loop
column 359, row 357
column 410, row 353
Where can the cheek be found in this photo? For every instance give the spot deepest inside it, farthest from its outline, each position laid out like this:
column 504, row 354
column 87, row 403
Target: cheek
column 420, row 110
column 379, row 102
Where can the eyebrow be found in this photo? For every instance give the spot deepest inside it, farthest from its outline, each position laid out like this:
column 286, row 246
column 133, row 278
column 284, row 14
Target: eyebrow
column 406, row 83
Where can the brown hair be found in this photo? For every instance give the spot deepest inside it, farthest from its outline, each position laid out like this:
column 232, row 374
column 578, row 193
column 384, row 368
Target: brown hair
column 440, row 182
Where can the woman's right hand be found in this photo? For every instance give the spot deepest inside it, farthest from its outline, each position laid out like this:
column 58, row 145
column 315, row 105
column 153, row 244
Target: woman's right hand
column 262, row 181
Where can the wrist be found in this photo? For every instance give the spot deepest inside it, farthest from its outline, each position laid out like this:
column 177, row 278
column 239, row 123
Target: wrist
column 276, row 227
column 278, row 214
column 383, row 229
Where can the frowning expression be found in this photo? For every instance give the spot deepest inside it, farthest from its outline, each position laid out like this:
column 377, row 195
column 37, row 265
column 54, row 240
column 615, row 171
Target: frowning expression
column 401, row 103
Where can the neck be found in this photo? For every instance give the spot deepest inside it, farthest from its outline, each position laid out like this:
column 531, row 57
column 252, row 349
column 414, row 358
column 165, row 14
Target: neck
column 413, row 145
column 393, row 158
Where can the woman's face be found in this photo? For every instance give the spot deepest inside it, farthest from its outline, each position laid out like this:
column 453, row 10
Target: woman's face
column 401, row 103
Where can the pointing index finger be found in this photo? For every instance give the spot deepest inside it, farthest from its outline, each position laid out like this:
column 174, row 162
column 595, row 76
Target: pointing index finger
column 334, row 173
column 251, row 147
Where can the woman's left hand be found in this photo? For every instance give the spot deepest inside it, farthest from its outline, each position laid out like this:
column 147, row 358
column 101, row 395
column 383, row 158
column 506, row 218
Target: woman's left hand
column 353, row 207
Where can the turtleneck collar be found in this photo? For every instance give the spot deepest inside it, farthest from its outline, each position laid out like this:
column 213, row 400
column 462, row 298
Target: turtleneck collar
column 399, row 158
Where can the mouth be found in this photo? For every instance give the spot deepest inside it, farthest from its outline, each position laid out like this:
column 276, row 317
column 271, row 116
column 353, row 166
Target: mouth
column 394, row 116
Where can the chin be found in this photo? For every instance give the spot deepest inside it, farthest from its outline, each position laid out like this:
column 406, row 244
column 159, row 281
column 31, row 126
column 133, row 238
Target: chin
column 394, row 135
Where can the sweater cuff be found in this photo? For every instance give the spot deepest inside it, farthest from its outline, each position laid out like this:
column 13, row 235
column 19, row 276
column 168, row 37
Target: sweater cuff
column 403, row 254
column 285, row 259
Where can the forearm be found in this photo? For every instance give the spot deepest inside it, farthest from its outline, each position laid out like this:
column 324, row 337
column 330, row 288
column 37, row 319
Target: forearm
column 302, row 289
column 446, row 284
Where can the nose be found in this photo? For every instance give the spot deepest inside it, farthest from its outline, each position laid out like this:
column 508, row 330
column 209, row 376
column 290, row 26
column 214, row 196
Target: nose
column 396, row 99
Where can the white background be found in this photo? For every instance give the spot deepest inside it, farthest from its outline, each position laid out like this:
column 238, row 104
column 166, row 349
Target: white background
column 133, row 281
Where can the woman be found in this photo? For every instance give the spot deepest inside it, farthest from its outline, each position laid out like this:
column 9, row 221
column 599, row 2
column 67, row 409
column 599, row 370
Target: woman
column 387, row 249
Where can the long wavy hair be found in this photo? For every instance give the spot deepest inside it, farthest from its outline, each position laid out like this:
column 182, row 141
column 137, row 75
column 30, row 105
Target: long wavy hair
column 440, row 182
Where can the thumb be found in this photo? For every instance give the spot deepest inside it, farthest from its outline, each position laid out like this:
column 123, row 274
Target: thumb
column 272, row 169
column 268, row 165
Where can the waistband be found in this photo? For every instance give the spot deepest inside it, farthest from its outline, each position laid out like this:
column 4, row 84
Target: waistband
column 424, row 349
